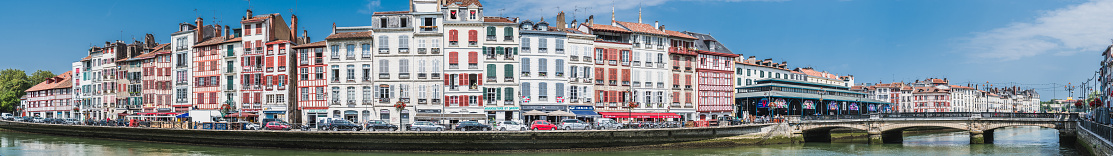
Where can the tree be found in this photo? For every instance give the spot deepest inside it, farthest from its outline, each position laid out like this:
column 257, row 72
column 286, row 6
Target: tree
column 40, row 76
column 13, row 84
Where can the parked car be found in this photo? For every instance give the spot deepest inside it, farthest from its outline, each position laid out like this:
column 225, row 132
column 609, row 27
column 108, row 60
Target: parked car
column 472, row 125
column 71, row 122
column 7, row 116
column 509, row 126
column 339, row 125
column 277, row 125
column 573, row 124
column 425, row 126
column 38, row 119
column 376, row 125
column 604, row 123
column 250, row 126
column 542, row 125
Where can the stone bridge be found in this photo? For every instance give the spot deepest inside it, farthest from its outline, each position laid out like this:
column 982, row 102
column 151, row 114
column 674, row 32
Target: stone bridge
column 888, row 128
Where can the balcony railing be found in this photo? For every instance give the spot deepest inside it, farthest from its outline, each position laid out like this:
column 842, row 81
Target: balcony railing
column 384, row 51
column 508, row 38
column 421, row 75
column 404, row 50
column 435, row 50
column 421, row 50
column 384, row 100
column 491, row 38
column 508, row 79
column 384, row 76
column 574, row 58
column 422, row 101
column 473, row 66
column 428, row 29
column 435, row 75
column 403, row 75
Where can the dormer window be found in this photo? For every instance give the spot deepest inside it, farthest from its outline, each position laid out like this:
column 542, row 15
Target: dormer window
column 472, row 14
column 403, row 22
column 452, row 14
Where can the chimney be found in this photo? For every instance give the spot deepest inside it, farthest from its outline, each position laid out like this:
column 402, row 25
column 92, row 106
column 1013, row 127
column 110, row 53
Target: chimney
column 574, row 24
column 333, row 27
column 227, row 32
column 249, row 15
column 657, row 24
column 590, row 20
column 560, row 22
column 294, row 28
column 200, row 31
column 662, row 27
column 217, row 31
column 304, row 36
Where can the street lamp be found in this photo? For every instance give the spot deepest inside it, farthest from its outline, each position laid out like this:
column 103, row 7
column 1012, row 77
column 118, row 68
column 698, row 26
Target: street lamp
column 630, row 110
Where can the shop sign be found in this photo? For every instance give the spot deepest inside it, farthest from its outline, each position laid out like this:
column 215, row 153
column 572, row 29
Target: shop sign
column 500, row 108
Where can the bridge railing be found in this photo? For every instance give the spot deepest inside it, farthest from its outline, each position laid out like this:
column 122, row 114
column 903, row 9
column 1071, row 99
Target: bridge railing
column 1103, row 131
column 1019, row 115
column 927, row 115
column 1057, row 116
column 835, row 117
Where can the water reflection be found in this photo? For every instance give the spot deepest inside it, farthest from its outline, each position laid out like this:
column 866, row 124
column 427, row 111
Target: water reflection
column 1008, row 141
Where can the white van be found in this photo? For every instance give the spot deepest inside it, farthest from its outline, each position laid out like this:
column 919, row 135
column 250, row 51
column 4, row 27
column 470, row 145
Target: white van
column 7, row 116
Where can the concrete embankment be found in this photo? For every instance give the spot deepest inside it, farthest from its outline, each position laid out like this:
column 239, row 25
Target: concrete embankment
column 1089, row 140
column 492, row 140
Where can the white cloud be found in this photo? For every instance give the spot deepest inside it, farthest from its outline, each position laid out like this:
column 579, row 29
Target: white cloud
column 370, row 7
column 1084, row 28
column 532, row 9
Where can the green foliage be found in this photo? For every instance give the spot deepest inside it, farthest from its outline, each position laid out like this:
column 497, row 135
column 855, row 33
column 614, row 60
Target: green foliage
column 40, row 76
column 13, row 83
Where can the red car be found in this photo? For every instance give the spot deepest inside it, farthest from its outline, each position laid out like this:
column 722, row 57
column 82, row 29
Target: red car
column 542, row 125
column 277, row 125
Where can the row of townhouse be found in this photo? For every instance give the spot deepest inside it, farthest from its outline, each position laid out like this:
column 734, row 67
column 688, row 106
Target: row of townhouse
column 441, row 60
column 938, row 95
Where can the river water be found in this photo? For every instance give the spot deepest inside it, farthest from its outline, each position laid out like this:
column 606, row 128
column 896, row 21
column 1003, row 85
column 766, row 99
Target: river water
column 1008, row 142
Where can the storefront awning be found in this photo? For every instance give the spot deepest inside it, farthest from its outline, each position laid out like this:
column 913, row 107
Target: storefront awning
column 584, row 113
column 637, row 115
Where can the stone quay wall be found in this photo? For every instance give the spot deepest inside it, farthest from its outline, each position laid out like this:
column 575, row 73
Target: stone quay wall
column 487, row 140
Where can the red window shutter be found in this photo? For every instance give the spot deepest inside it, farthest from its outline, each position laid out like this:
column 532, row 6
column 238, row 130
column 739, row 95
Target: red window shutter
column 472, row 35
column 613, row 73
column 688, row 97
column 676, row 97
column 613, row 54
column 463, row 100
column 258, row 97
column 258, row 28
column 480, row 100
column 270, row 63
column 453, row 35
column 614, row 96
column 453, row 58
column 689, row 82
column 446, row 101
column 626, row 75
column 463, row 79
column 258, row 43
column 599, row 73
column 479, row 79
column 597, row 98
column 473, row 57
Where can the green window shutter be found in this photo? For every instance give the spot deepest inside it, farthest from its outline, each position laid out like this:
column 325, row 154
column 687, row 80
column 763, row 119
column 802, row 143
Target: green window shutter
column 484, row 91
column 485, row 50
column 490, row 31
column 499, row 50
column 491, row 70
column 509, row 94
column 515, row 50
column 509, row 70
column 509, row 31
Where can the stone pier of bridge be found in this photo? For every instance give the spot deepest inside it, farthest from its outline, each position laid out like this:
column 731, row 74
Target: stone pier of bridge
column 890, row 130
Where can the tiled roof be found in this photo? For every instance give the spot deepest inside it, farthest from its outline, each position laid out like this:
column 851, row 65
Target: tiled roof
column 566, row 30
column 812, row 72
column 314, row 44
column 257, row 18
column 497, row 19
column 391, row 12
column 60, row 81
column 604, row 27
column 963, row 87
column 706, row 41
column 641, row 27
column 87, row 58
column 930, row 90
column 347, row 35
column 463, row 2
column 217, row 40
column 679, row 34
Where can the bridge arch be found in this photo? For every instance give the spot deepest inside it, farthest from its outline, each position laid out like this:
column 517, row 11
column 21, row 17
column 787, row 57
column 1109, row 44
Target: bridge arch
column 991, row 127
column 905, row 126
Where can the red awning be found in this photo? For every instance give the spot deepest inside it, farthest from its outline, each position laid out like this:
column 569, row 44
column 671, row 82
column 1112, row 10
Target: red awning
column 241, row 114
column 638, row 115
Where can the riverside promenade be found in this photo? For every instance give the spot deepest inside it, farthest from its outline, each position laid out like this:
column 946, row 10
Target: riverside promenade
column 407, row 140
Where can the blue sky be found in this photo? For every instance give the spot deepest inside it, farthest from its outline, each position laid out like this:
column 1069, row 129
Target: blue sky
column 1028, row 43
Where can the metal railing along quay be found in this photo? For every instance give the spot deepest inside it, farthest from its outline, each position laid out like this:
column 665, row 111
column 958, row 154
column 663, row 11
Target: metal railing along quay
column 1103, row 131
column 956, row 115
